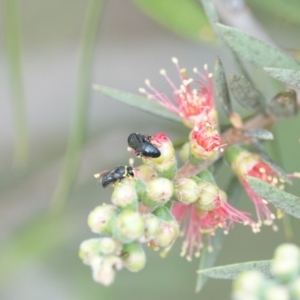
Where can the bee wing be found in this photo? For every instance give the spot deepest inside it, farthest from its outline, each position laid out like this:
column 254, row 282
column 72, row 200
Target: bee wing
column 99, row 176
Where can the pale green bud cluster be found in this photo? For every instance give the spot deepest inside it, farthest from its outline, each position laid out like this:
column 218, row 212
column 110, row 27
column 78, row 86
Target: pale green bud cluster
column 284, row 283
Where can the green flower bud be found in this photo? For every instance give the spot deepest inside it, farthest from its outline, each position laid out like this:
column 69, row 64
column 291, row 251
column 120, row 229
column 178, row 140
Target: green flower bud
column 145, row 173
column 152, row 225
column 158, row 192
column 108, row 245
column 211, row 196
column 163, row 213
column 104, row 268
column 185, row 152
column 167, row 234
column 129, row 226
column 125, row 196
column 100, row 220
column 295, row 289
column 286, row 262
column 88, row 250
column 186, row 190
column 167, row 170
column 276, row 292
column 134, row 257
column 248, row 285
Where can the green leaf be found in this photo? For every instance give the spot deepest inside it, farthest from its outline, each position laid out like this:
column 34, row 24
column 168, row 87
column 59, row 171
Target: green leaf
column 221, row 89
column 78, row 124
column 139, row 102
column 231, row 271
column 289, row 77
column 185, row 17
column 12, row 22
column 255, row 51
column 245, row 93
column 282, row 10
column 283, row 105
column 288, row 203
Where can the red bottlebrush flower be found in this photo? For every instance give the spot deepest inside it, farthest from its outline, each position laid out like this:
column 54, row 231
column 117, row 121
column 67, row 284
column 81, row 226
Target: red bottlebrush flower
column 205, row 140
column 244, row 164
column 196, row 223
column 188, row 102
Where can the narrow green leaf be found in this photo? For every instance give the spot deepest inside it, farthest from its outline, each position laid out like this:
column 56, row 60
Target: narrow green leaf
column 245, row 93
column 282, row 10
column 255, row 51
column 231, row 271
column 13, row 46
column 283, row 105
column 185, row 17
column 78, row 125
column 259, row 133
column 139, row 102
column 288, row 203
column 289, row 77
column 221, row 89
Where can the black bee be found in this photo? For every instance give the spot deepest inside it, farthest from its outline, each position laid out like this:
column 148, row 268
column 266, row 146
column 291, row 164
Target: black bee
column 142, row 145
column 113, row 176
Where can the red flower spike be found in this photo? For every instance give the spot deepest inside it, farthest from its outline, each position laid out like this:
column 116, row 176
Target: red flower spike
column 205, row 140
column 196, row 223
column 188, row 103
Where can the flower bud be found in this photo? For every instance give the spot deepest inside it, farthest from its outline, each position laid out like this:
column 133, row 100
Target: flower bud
column 248, row 285
column 134, row 257
column 88, row 250
column 104, row 268
column 186, row 190
column 211, row 196
column 167, row 234
column 152, row 225
column 166, row 164
column 125, row 196
column 145, row 173
column 276, row 292
column 129, row 226
column 295, row 289
column 101, row 219
column 108, row 245
column 286, row 262
column 184, row 152
column 205, row 140
column 158, row 192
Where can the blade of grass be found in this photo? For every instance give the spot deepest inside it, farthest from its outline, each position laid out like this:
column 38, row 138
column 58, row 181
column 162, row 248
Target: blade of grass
column 13, row 48
column 78, row 123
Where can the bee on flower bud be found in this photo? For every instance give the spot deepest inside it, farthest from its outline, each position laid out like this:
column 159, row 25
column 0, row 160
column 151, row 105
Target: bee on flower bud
column 142, row 145
column 111, row 177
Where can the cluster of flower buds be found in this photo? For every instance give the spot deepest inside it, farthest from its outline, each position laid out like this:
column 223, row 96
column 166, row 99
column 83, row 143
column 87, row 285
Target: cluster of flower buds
column 151, row 202
column 283, row 284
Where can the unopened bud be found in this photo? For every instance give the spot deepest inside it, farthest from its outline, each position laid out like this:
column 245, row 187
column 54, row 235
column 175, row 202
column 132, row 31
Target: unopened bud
column 134, row 257
column 145, row 173
column 248, row 285
column 185, row 152
column 286, row 262
column 152, row 224
column 276, row 292
column 100, row 220
column 88, row 250
column 158, row 192
column 129, row 226
column 167, row 234
column 211, row 196
column 295, row 289
column 186, row 190
column 125, row 196
column 104, row 269
column 108, row 245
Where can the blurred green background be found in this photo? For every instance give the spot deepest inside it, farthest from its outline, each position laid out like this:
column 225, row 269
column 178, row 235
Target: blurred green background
column 38, row 254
